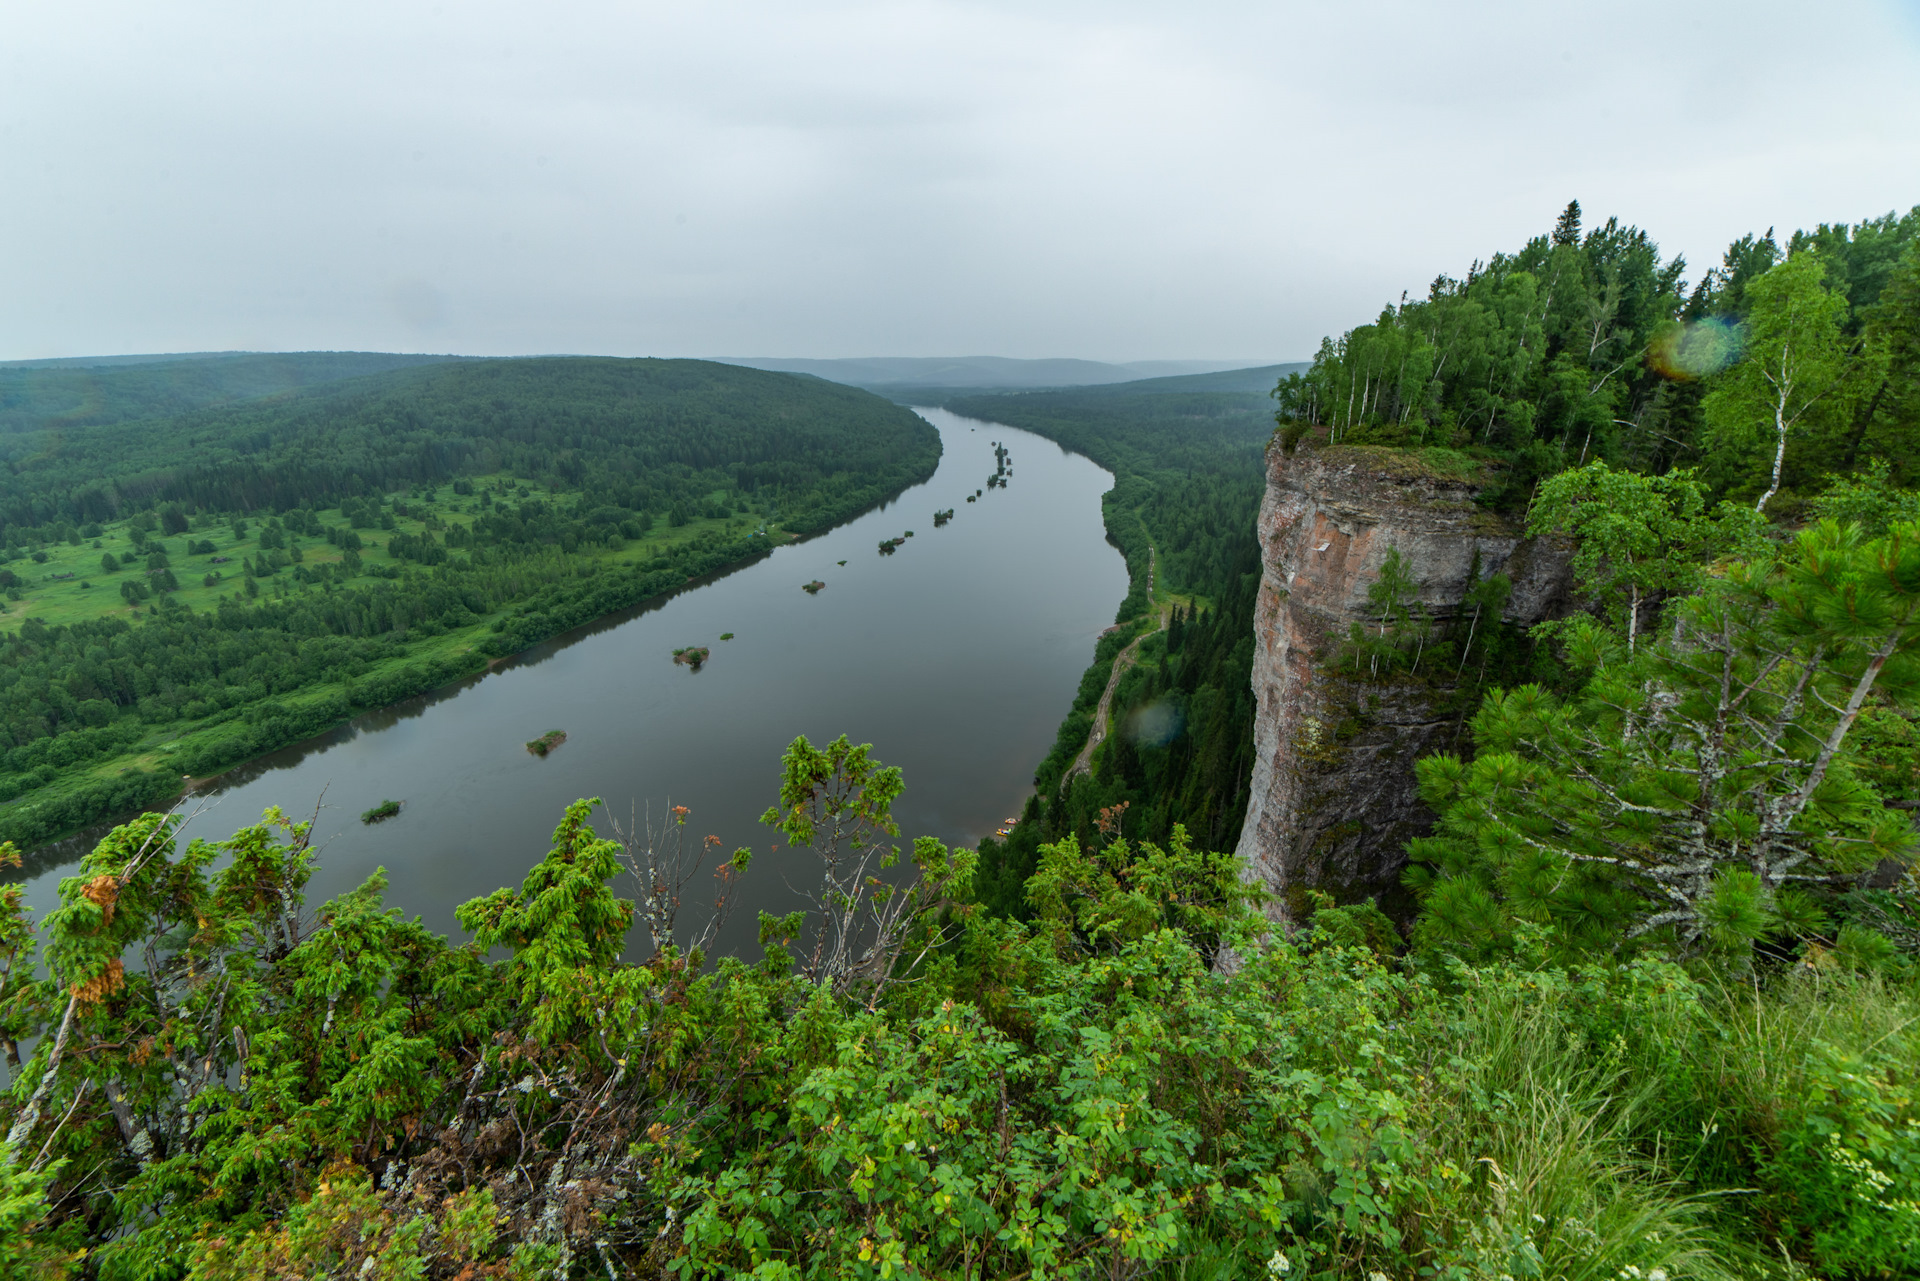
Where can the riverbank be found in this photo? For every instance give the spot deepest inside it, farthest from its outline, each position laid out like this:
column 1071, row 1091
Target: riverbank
column 1004, row 603
column 131, row 765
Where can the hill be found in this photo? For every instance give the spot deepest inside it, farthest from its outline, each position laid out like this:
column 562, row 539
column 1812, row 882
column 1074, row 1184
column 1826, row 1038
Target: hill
column 978, row 371
column 87, row 391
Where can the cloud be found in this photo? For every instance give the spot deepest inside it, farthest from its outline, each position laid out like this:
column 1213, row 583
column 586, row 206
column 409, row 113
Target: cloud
column 1115, row 180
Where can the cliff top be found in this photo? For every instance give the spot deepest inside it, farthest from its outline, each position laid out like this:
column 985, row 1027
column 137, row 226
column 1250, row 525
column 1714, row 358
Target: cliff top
column 1430, row 476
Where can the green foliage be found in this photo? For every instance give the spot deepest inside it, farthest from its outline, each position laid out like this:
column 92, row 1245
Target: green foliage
column 1635, row 536
column 1541, row 348
column 868, row 931
column 63, row 395
column 1870, row 500
column 273, row 1094
column 1586, row 345
column 386, row 809
column 608, row 444
column 1103, row 901
column 1698, row 788
column 1800, row 369
column 1401, row 625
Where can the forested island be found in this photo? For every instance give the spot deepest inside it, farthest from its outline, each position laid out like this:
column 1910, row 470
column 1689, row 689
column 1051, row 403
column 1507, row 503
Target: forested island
column 183, row 593
column 1647, row 1007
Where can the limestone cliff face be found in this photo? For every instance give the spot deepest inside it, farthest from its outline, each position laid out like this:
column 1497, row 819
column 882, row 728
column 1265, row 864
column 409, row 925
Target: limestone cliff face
column 1334, row 798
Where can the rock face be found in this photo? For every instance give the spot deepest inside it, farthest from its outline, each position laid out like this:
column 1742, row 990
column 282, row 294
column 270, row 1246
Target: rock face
column 1334, row 798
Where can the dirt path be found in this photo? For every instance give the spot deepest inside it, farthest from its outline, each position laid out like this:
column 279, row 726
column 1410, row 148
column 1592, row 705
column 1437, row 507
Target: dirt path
column 1083, row 763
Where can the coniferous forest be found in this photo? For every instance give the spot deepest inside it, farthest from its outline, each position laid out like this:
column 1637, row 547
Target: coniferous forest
column 1652, row 1010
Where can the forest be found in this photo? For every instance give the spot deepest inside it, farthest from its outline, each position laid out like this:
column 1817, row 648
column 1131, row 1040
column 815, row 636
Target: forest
column 185, row 593
column 54, row 395
column 1655, row 1013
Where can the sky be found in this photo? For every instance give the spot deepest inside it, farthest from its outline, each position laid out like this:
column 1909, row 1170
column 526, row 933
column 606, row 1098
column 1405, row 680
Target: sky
column 1109, row 180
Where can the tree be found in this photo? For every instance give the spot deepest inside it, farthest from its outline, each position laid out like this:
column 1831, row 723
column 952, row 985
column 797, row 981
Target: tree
column 1799, row 364
column 1699, row 788
column 1566, row 230
column 1891, row 422
column 838, row 801
column 1634, row 535
column 1393, row 599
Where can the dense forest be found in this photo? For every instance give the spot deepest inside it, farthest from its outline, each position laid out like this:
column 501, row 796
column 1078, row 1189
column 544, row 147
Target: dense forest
column 1587, row 344
column 54, row 395
column 1656, row 1015
column 189, row 592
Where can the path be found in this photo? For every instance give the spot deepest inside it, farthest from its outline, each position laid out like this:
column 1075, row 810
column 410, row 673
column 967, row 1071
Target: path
column 1083, row 763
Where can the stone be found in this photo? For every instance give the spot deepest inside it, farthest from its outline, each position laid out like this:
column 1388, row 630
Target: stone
column 1334, row 798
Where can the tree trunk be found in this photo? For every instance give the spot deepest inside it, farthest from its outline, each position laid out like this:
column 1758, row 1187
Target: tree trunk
column 30, row 1115
column 1781, row 390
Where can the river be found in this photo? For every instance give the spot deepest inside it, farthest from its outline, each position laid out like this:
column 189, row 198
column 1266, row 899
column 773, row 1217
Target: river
column 956, row 657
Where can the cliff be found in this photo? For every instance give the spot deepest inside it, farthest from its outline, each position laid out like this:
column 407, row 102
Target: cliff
column 1334, row 798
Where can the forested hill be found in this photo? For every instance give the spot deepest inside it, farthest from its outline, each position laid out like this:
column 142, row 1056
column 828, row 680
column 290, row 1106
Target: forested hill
column 35, row 395
column 636, row 426
column 1586, row 343
column 186, row 593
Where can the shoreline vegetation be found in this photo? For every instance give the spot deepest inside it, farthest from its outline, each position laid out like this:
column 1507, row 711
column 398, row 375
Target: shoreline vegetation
column 282, row 566
column 547, row 742
column 383, row 811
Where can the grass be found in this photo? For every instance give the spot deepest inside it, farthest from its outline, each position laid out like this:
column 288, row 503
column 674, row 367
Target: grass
column 93, row 593
column 46, row 597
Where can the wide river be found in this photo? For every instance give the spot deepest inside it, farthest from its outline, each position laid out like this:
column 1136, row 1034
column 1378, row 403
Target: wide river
column 956, row 657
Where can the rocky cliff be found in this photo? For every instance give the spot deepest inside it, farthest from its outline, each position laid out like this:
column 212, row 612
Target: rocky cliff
column 1334, row 798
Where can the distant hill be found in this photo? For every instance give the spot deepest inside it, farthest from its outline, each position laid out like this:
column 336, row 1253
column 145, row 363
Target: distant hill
column 92, row 391
column 1258, row 379
column 980, row 371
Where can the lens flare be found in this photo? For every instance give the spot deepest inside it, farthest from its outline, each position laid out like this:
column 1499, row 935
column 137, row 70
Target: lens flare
column 1156, row 724
column 1697, row 348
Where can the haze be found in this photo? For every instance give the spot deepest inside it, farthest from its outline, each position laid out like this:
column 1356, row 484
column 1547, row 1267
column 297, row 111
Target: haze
column 1113, row 181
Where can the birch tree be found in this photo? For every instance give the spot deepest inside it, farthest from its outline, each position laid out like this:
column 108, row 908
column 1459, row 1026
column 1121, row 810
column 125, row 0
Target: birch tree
column 1799, row 364
column 1634, row 535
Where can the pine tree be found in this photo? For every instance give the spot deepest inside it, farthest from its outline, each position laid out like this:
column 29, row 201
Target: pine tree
column 1567, row 230
column 1697, row 789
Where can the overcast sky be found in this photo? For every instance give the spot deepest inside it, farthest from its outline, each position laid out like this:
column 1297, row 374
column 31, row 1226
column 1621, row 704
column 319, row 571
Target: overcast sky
column 1105, row 179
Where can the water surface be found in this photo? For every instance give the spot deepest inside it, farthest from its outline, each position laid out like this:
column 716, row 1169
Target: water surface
column 956, row 657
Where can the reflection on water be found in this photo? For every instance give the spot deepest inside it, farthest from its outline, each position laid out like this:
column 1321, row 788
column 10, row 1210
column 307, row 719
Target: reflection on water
column 956, row 657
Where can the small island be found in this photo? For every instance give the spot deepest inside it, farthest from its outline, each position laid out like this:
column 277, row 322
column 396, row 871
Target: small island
column 726, row 635
column 887, row 545
column 385, row 810
column 547, row 742
column 692, row 656
column 812, row 588
column 839, row 562
column 942, row 517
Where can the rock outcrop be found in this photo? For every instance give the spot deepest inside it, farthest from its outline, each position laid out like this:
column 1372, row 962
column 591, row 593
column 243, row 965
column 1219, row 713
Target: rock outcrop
column 1334, row 798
